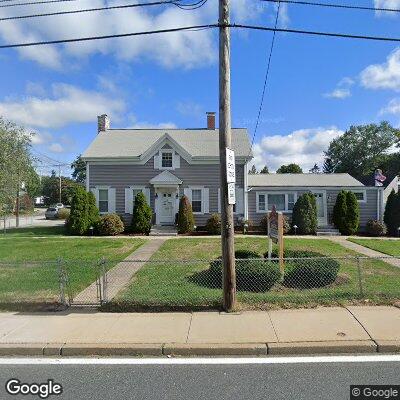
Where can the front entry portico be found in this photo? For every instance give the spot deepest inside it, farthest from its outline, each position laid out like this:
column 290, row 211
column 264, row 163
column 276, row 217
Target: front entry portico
column 166, row 188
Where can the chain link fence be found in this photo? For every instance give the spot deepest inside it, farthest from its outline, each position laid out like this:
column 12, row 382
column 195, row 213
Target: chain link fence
column 197, row 284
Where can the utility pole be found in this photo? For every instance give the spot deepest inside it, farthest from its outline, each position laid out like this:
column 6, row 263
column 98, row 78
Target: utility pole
column 59, row 183
column 225, row 140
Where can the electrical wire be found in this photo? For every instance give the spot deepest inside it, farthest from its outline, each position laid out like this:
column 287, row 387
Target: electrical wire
column 266, row 77
column 333, row 5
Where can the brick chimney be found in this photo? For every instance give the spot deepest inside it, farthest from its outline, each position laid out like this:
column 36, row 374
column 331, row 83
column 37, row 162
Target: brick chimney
column 103, row 123
column 211, row 120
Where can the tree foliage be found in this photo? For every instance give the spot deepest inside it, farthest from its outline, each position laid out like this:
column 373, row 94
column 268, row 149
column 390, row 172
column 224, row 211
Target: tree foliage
column 328, row 167
column 185, row 216
column 346, row 213
column 289, row 169
column 51, row 189
column 361, row 149
column 142, row 215
column 84, row 212
column 79, row 170
column 253, row 170
column 315, row 169
column 264, row 170
column 392, row 213
column 305, row 214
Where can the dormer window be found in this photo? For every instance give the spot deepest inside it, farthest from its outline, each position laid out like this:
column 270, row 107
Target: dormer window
column 166, row 159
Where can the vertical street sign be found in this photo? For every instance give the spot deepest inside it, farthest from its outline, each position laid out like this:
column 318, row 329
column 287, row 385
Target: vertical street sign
column 231, row 193
column 230, row 167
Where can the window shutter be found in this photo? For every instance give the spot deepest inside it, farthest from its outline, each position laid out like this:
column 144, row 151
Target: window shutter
column 95, row 191
column 128, row 201
column 156, row 161
column 188, row 193
column 177, row 161
column 206, row 200
column 239, row 200
column 219, row 200
column 111, row 200
column 146, row 192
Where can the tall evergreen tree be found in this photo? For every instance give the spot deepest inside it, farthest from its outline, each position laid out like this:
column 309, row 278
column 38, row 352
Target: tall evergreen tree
column 315, row 169
column 305, row 214
column 253, row 170
column 328, row 167
column 264, row 170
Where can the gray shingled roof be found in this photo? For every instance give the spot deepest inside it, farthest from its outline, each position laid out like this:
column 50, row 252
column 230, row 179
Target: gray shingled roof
column 307, row 180
column 115, row 143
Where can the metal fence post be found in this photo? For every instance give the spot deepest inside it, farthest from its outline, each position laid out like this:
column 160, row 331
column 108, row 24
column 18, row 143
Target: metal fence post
column 360, row 281
column 61, row 281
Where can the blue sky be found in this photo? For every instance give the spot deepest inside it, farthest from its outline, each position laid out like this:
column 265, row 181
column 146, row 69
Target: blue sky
column 317, row 86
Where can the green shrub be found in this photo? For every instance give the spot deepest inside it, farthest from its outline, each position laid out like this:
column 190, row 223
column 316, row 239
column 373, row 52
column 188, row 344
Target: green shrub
column 84, row 212
column 245, row 254
column 63, row 213
column 251, row 275
column 286, row 225
column 110, row 225
column 185, row 216
column 305, row 214
column 376, row 228
column 213, row 225
column 346, row 213
column 142, row 215
column 264, row 223
column 392, row 213
column 315, row 270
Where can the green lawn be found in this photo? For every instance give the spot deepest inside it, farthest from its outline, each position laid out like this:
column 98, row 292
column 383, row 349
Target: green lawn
column 387, row 246
column 28, row 266
column 163, row 283
column 33, row 231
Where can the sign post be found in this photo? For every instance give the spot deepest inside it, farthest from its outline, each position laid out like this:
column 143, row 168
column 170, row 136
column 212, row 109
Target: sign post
column 275, row 234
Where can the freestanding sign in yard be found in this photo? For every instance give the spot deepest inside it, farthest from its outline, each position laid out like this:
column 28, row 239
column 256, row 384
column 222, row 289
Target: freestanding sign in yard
column 275, row 234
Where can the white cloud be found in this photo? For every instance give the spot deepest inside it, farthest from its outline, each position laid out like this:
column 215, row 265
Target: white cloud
column 67, row 104
column 383, row 76
column 56, row 148
column 392, row 108
column 304, row 147
column 338, row 93
column 187, row 48
column 149, row 125
column 41, row 137
column 391, row 4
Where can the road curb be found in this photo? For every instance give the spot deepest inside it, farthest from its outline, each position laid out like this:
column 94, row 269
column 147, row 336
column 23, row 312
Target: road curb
column 21, row 349
column 209, row 349
column 388, row 346
column 331, row 347
column 135, row 350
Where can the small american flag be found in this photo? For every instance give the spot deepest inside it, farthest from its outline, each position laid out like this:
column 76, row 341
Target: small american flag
column 379, row 178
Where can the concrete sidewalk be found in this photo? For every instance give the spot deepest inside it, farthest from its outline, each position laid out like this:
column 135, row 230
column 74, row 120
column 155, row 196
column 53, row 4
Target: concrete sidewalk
column 365, row 250
column 305, row 331
column 120, row 276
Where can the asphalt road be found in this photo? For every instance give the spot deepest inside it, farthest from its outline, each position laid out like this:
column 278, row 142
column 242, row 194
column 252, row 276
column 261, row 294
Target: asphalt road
column 254, row 381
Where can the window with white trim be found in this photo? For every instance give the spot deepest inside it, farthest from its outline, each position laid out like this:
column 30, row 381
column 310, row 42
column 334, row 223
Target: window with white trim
column 197, row 200
column 103, row 200
column 167, row 159
column 281, row 200
column 361, row 195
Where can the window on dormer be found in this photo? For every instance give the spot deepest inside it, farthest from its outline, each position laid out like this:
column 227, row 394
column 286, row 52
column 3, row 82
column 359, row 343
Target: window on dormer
column 166, row 159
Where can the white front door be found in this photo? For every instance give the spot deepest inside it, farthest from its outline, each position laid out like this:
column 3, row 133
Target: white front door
column 166, row 207
column 320, row 198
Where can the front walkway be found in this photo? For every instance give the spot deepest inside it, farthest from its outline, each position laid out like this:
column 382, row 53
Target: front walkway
column 119, row 276
column 308, row 331
column 365, row 250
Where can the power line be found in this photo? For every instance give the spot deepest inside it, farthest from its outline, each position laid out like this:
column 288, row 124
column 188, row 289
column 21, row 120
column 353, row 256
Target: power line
column 316, row 33
column 266, row 77
column 86, row 10
column 333, row 5
column 29, row 3
column 85, row 39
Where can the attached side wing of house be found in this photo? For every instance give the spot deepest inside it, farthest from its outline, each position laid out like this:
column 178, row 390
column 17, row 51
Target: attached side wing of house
column 164, row 164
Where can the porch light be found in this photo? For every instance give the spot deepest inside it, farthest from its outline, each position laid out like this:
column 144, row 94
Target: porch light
column 295, row 229
column 91, row 229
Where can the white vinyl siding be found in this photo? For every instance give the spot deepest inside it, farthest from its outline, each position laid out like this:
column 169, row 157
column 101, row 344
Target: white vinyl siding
column 283, row 201
column 238, row 207
column 361, row 195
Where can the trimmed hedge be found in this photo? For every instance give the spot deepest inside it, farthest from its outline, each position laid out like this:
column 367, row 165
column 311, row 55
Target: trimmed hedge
column 213, row 225
column 316, row 270
column 346, row 213
column 305, row 214
column 110, row 225
column 185, row 216
column 392, row 213
column 252, row 275
column 376, row 228
column 246, row 254
column 142, row 215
